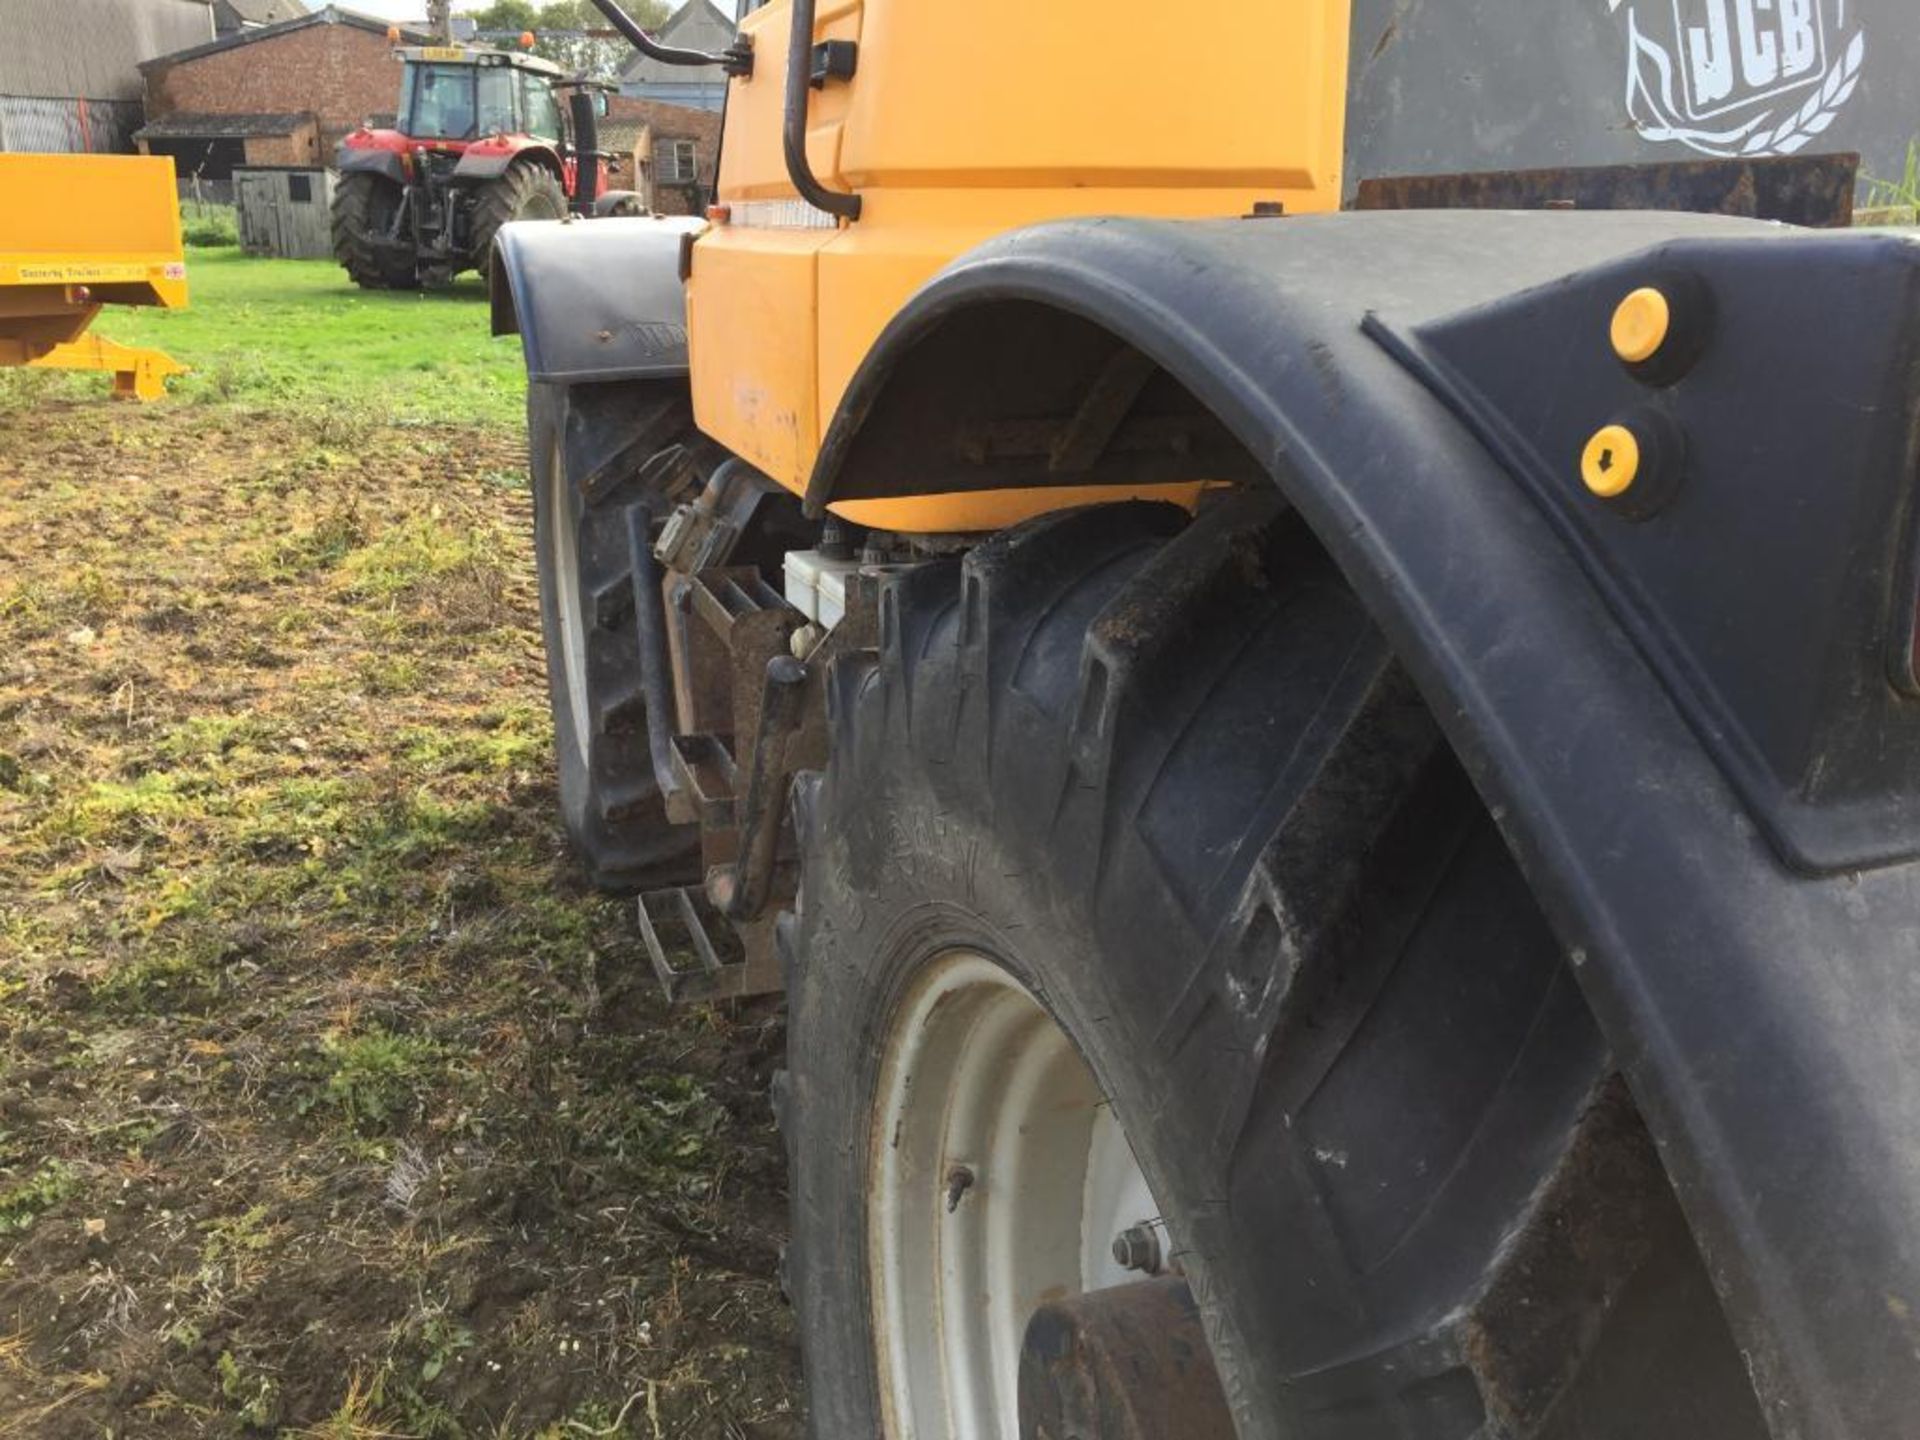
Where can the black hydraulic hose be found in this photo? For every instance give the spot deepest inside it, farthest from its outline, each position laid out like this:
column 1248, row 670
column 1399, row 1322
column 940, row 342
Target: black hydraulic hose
column 793, row 136
column 737, row 59
column 656, row 668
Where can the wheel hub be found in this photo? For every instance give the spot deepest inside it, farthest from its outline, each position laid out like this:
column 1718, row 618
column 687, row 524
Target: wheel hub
column 1000, row 1181
column 1129, row 1363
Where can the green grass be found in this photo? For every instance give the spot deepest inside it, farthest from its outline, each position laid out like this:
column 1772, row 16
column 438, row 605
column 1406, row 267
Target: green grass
column 209, row 224
column 293, row 334
column 1901, row 192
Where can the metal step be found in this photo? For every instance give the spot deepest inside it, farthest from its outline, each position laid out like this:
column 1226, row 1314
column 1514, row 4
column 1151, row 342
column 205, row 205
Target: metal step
column 672, row 925
column 705, row 774
column 728, row 961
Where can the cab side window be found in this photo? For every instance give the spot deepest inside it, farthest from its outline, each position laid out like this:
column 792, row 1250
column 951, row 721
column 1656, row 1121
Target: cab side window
column 538, row 104
column 495, row 101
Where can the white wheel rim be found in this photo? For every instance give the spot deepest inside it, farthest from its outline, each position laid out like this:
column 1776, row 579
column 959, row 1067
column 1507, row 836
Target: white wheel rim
column 977, row 1078
column 566, row 593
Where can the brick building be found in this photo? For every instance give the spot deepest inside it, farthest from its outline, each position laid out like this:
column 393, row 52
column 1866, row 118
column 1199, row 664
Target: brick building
column 280, row 94
column 284, row 94
column 675, row 149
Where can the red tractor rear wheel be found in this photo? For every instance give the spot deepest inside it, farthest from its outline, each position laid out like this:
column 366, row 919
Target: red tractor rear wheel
column 528, row 191
column 364, row 205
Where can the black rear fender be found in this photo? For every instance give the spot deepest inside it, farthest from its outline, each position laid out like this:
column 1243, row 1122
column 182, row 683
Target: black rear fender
column 595, row 299
column 1694, row 719
column 352, row 160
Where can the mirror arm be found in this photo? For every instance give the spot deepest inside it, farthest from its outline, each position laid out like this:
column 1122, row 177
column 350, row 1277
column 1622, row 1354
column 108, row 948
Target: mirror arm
column 793, row 138
column 736, row 59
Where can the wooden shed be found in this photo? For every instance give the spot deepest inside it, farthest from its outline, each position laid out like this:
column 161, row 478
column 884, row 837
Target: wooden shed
column 282, row 210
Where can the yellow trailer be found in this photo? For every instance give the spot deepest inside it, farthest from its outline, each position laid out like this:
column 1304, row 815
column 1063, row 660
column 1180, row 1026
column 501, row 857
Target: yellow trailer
column 78, row 232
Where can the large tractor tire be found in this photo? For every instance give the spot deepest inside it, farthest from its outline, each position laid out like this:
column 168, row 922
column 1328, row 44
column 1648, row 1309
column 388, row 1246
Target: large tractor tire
column 589, row 447
column 364, row 206
column 1143, row 891
column 527, row 191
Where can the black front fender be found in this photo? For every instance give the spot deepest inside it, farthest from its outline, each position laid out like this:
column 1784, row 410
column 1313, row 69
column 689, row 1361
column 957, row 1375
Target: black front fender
column 594, row 299
column 1689, row 725
column 350, row 159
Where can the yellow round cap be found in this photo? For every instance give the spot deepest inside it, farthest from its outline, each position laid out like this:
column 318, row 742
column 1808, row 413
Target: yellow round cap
column 1640, row 325
column 1611, row 461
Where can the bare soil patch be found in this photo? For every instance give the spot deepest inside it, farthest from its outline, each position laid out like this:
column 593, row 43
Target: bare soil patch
column 331, row 1104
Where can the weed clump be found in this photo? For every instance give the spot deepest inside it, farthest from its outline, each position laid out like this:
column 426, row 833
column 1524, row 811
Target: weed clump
column 376, row 1077
column 24, row 1201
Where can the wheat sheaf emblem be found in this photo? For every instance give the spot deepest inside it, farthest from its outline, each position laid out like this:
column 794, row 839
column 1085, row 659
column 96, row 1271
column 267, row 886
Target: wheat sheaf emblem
column 1821, row 107
column 1664, row 95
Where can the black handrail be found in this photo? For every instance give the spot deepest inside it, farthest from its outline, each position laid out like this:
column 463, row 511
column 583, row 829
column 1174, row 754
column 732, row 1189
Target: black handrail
column 793, row 136
column 736, row 59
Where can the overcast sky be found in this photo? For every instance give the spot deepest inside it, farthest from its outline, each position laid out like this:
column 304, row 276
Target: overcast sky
column 389, row 9
column 416, row 10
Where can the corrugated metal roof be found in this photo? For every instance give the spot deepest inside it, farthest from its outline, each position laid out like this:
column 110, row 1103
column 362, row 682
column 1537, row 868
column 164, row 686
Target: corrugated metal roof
column 64, row 49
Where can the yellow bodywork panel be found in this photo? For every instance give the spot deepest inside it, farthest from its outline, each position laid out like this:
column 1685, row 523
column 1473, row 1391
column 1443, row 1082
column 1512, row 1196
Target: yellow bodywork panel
column 78, row 232
column 959, row 123
column 771, row 312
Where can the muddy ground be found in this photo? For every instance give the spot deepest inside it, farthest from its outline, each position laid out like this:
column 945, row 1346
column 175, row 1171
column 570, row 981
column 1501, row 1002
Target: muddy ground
column 331, row 1104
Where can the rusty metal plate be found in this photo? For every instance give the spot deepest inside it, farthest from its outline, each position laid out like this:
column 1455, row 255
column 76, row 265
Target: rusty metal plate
column 1812, row 190
column 1129, row 1363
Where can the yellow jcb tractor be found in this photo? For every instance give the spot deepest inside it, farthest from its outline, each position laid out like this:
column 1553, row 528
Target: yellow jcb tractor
column 1335, row 796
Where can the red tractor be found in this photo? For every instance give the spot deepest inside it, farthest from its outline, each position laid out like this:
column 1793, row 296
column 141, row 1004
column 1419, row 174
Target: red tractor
column 483, row 138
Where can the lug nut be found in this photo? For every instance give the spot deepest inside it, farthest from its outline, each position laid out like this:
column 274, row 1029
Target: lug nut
column 1138, row 1248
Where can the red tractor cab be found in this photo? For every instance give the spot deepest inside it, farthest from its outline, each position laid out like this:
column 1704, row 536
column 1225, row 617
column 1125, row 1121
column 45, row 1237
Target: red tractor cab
column 483, row 137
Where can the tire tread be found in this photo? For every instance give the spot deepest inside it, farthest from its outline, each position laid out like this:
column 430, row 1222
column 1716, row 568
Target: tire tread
column 1194, row 763
column 615, row 814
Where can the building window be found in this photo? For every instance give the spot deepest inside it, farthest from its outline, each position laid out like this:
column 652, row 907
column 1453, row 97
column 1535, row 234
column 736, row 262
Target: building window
column 300, row 189
column 674, row 163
